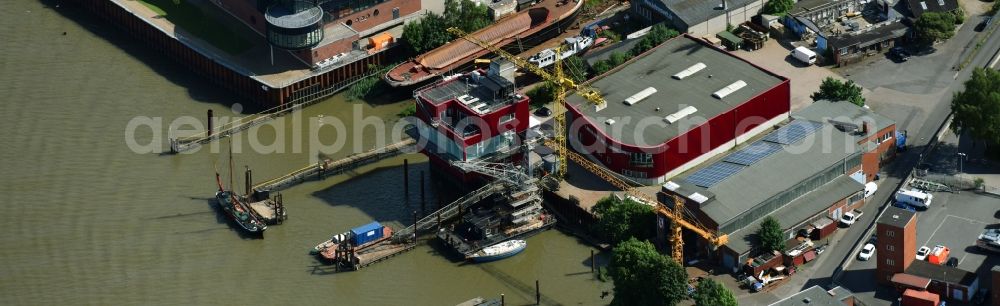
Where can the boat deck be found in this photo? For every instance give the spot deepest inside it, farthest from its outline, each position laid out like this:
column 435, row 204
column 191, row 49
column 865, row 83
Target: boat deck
column 454, row 54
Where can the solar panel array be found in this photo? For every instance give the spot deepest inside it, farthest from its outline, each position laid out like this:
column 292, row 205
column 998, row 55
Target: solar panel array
column 711, row 175
column 793, row 132
column 753, row 153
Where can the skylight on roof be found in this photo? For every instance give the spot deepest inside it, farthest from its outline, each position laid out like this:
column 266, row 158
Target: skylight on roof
column 689, row 71
column 923, row 5
column 725, row 91
column 684, row 112
column 632, row 100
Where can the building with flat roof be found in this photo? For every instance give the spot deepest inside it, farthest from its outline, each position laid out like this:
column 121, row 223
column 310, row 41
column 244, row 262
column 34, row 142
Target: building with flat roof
column 673, row 107
column 817, row 296
column 813, row 167
column 475, row 116
column 896, row 244
column 697, row 17
column 947, row 282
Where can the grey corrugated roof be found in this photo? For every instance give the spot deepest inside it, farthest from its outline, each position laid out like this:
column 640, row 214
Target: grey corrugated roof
column 655, row 70
column 693, row 12
column 782, row 171
column 824, row 110
column 932, row 6
column 886, row 32
column 816, row 296
column 798, row 210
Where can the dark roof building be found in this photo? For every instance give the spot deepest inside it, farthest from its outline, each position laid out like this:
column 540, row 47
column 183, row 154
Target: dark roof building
column 673, row 107
column 698, row 17
column 816, row 296
column 947, row 282
column 919, row 7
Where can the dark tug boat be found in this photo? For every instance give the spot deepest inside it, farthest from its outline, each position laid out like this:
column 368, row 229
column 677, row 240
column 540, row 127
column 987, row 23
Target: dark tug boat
column 237, row 211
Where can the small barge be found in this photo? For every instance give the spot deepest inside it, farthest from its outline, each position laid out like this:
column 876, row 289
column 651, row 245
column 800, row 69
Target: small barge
column 361, row 247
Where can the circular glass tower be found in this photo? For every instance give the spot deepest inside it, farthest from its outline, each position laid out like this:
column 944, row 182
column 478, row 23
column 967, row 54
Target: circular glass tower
column 294, row 25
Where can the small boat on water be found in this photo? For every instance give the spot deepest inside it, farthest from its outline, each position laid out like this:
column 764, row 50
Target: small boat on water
column 333, row 242
column 499, row 251
column 234, row 207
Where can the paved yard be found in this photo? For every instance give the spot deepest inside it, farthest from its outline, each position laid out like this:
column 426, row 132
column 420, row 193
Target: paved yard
column 805, row 80
column 954, row 220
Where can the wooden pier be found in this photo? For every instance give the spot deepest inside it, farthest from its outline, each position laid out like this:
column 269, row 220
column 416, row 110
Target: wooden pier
column 333, row 167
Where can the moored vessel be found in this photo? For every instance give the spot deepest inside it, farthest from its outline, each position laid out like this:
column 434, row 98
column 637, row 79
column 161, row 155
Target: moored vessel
column 499, row 251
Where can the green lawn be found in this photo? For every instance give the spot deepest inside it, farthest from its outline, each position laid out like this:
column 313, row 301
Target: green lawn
column 190, row 18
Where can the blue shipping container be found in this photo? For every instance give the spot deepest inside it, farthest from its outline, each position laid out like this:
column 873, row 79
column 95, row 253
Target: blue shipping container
column 366, row 233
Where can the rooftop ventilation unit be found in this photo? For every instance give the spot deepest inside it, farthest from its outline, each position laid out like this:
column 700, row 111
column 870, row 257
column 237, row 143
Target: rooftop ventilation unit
column 725, row 91
column 689, row 71
column 923, row 5
column 697, row 197
column 609, row 121
column 640, row 95
column 467, row 99
column 680, row 114
column 670, row 185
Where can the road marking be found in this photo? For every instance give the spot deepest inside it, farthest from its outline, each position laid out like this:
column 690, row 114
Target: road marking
column 935, row 230
column 945, row 220
column 966, row 219
column 963, row 259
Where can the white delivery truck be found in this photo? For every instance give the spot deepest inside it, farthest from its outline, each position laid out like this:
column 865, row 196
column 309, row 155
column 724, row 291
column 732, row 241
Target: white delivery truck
column 804, row 55
column 915, row 198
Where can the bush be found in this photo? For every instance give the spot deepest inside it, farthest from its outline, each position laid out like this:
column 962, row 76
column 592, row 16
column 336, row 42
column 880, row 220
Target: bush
column 431, row 31
column 959, row 16
column 623, row 219
column 408, row 111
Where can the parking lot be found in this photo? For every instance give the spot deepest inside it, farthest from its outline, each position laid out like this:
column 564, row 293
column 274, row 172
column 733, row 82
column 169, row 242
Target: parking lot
column 953, row 220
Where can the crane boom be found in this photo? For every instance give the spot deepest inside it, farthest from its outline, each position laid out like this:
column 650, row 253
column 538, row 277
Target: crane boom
column 563, row 84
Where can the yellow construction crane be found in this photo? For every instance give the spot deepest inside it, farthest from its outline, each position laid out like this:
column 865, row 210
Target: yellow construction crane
column 564, row 84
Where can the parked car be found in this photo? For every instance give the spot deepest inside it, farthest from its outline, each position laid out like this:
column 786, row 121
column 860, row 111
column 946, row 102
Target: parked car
column 982, row 25
column 850, row 217
column 952, row 262
column 866, row 252
column 901, row 205
column 922, row 252
column 938, row 255
column 870, row 189
column 543, row 111
column 899, row 54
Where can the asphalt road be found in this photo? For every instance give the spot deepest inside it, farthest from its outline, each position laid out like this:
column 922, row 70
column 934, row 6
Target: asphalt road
column 930, row 77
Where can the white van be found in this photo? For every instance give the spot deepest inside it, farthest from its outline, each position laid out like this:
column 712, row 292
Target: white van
column 804, row 55
column 915, row 198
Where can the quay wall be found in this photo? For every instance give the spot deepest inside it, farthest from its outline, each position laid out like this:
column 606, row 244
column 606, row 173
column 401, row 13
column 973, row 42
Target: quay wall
column 303, row 91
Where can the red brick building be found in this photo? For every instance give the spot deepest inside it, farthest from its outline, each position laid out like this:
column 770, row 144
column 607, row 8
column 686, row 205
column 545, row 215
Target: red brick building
column 896, row 244
column 346, row 25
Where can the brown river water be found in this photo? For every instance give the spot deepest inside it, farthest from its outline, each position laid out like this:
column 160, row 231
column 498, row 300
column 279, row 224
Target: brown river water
column 90, row 221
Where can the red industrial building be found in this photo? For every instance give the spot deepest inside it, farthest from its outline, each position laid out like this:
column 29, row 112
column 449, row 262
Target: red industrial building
column 476, row 116
column 673, row 107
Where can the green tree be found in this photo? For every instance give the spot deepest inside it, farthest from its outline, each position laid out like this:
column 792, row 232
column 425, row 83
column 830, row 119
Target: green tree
column 576, row 68
column 542, row 94
column 431, row 31
column 600, row 67
column 836, row 90
column 657, row 35
column 771, row 237
column 623, row 219
column 959, row 15
column 777, row 7
column 934, row 26
column 712, row 293
column 977, row 108
column 643, row 276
